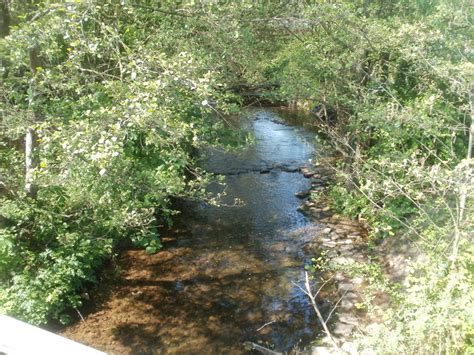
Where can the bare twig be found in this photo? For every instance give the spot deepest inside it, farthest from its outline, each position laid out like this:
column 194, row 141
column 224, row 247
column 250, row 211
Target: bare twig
column 335, row 306
column 307, row 291
column 252, row 346
column 80, row 315
column 263, row 326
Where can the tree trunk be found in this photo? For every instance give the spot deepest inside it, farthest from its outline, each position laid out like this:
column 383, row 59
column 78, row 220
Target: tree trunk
column 463, row 191
column 31, row 159
column 4, row 19
column 471, row 130
column 464, row 188
column 4, row 31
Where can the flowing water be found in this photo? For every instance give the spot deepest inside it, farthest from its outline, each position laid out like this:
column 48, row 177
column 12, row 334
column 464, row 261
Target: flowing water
column 226, row 274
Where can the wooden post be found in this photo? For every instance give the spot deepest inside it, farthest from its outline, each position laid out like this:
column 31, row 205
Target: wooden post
column 31, row 160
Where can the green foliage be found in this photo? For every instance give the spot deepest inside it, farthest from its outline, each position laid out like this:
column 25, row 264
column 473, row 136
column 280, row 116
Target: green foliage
column 398, row 75
column 435, row 314
column 125, row 97
column 127, row 91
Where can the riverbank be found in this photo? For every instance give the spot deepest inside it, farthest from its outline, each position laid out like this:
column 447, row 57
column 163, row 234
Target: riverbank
column 340, row 243
column 341, row 251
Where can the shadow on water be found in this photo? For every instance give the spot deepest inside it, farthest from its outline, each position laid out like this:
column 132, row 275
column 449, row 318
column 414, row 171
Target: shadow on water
column 225, row 274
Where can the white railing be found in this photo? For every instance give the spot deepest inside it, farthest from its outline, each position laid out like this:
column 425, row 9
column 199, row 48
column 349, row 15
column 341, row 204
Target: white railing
column 19, row 338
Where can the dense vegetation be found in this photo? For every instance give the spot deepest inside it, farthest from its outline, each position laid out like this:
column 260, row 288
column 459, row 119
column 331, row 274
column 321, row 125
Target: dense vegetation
column 398, row 77
column 114, row 97
column 117, row 100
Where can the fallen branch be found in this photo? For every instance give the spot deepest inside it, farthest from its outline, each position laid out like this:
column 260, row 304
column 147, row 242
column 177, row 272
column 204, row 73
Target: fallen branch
column 312, row 298
column 335, row 306
column 80, row 315
column 252, row 346
column 263, row 326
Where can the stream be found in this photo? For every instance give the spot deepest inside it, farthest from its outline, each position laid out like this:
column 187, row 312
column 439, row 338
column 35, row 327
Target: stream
column 225, row 275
